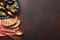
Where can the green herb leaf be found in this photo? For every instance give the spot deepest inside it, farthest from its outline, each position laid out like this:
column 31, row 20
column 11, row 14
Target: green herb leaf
column 12, row 6
column 0, row 12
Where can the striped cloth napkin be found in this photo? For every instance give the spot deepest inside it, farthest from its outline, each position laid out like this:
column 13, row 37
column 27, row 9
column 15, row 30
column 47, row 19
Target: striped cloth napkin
column 4, row 28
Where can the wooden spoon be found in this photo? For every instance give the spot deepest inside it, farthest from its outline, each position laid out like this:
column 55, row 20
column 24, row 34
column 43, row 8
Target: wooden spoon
column 14, row 37
column 17, row 32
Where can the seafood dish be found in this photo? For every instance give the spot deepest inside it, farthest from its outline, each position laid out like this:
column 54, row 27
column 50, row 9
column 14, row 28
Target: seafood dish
column 8, row 8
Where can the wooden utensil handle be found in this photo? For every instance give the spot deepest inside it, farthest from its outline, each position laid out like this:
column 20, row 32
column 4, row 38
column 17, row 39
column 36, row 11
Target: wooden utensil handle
column 6, row 31
column 14, row 37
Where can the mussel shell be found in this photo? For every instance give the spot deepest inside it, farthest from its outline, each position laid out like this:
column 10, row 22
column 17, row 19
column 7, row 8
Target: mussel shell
column 10, row 2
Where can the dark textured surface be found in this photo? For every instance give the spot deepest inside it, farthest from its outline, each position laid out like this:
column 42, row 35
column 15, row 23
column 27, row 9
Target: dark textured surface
column 40, row 19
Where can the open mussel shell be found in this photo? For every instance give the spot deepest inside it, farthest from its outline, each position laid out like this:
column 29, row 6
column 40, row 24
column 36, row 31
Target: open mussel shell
column 2, row 13
column 10, row 2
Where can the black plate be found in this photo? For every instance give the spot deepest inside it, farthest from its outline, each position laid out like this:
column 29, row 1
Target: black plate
column 13, row 14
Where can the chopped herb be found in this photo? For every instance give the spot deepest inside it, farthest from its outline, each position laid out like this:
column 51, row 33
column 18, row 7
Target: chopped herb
column 4, row 3
column 12, row 6
column 0, row 12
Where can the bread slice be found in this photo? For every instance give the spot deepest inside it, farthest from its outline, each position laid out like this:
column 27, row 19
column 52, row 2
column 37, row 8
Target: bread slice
column 9, row 22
